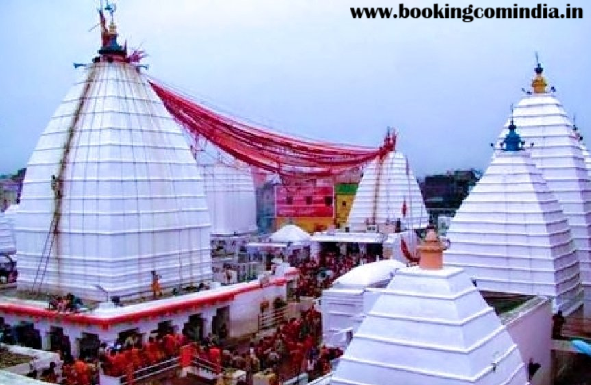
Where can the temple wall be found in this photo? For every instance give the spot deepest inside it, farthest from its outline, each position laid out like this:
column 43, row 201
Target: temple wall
column 245, row 309
column 231, row 198
column 341, row 309
column 531, row 331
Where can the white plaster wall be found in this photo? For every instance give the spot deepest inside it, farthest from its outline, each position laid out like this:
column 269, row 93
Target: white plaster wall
column 231, row 199
column 245, row 309
column 341, row 309
column 532, row 334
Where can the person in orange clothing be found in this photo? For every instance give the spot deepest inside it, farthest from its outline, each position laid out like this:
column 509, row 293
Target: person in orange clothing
column 150, row 352
column 297, row 357
column 187, row 352
column 180, row 340
column 119, row 364
column 169, row 345
column 82, row 372
column 68, row 374
column 156, row 288
column 215, row 356
column 128, row 355
column 136, row 358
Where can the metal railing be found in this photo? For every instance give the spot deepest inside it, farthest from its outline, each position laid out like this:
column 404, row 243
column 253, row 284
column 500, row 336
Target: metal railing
column 150, row 371
column 199, row 367
column 272, row 318
column 206, row 366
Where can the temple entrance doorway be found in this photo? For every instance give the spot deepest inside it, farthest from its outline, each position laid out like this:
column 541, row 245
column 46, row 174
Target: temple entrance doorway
column 26, row 335
column 193, row 328
column 58, row 341
column 88, row 346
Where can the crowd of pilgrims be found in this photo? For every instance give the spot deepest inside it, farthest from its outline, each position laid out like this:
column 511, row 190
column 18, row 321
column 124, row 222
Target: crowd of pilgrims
column 291, row 349
column 294, row 347
column 315, row 276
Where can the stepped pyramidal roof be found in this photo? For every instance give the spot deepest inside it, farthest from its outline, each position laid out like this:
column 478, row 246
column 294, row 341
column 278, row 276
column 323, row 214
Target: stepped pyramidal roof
column 388, row 191
column 431, row 326
column 510, row 233
column 112, row 191
column 557, row 153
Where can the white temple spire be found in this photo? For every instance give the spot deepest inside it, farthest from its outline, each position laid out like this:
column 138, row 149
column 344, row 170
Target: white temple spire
column 388, row 191
column 543, row 121
column 112, row 191
column 510, row 233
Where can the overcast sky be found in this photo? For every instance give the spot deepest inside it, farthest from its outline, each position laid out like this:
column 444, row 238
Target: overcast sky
column 306, row 67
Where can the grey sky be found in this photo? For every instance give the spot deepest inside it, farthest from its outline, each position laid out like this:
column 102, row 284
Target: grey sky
column 306, row 67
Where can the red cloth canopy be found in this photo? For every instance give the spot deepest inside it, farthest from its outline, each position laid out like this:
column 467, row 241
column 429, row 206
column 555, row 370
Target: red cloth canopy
column 289, row 157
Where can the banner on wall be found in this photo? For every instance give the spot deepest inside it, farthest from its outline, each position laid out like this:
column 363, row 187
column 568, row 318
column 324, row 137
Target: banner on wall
column 304, row 201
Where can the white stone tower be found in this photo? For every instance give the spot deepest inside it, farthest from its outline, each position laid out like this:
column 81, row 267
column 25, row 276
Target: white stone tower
column 557, row 154
column 511, row 235
column 388, row 191
column 112, row 191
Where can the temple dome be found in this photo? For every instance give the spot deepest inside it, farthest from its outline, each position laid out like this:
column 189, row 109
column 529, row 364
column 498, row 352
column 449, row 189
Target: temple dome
column 431, row 327
column 290, row 234
column 511, row 235
column 127, row 191
column 387, row 184
column 369, row 274
column 543, row 121
column 231, row 198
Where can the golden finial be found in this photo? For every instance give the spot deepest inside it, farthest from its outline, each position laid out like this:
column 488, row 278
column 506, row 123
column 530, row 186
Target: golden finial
column 539, row 83
column 111, row 8
column 112, row 28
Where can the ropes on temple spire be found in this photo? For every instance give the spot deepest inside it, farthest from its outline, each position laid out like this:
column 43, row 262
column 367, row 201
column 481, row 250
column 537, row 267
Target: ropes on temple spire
column 289, row 157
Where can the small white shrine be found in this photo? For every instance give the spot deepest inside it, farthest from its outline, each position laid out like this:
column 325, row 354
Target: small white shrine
column 431, row 326
column 351, row 297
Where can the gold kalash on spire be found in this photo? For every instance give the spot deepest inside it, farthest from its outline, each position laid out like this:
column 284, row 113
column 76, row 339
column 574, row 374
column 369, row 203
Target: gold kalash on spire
column 539, row 83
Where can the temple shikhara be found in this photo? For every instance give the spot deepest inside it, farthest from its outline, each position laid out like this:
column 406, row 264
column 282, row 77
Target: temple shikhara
column 557, row 153
column 158, row 241
column 524, row 244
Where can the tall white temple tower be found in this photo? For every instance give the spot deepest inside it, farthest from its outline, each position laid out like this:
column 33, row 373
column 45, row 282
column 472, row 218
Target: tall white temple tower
column 511, row 235
column 431, row 326
column 557, row 154
column 112, row 192
column 388, row 191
